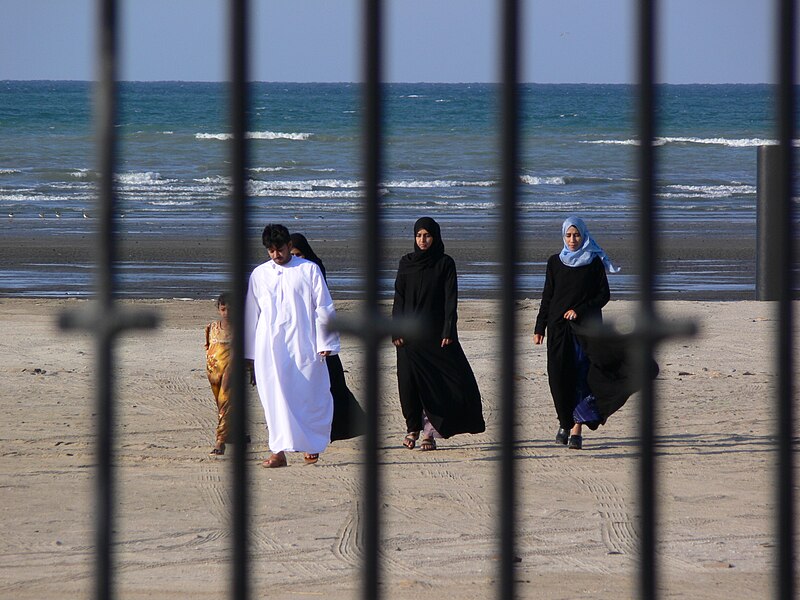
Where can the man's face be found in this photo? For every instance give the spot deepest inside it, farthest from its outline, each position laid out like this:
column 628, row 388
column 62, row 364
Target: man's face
column 282, row 255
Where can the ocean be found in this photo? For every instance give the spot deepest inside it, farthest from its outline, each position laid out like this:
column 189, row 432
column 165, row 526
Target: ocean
column 441, row 159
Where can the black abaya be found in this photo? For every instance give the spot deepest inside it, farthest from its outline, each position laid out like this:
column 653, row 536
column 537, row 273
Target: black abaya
column 585, row 290
column 349, row 419
column 437, row 380
column 611, row 376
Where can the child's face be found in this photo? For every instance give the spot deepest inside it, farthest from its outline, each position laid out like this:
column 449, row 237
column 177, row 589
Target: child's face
column 223, row 311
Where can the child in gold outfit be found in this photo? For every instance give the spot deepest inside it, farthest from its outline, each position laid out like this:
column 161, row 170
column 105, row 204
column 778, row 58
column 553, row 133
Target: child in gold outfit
column 218, row 359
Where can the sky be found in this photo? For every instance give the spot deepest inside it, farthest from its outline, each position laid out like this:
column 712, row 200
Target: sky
column 563, row 41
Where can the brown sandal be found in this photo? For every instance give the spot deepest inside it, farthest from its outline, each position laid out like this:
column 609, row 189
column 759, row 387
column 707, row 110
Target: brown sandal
column 275, row 461
column 427, row 444
column 310, row 458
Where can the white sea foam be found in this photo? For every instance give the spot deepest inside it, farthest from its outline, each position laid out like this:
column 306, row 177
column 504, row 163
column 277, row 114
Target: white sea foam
column 305, row 185
column 80, row 174
column 269, row 169
column 271, row 193
column 532, row 180
column 716, row 141
column 438, row 183
column 142, row 179
column 612, row 142
column 719, row 141
column 216, row 179
column 708, row 191
column 256, row 135
column 9, row 171
column 171, row 203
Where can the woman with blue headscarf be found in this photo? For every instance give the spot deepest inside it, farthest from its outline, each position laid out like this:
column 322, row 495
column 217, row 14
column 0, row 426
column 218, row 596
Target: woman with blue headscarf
column 575, row 292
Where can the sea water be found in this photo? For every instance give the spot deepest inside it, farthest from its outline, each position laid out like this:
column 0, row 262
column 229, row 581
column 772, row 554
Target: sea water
column 442, row 152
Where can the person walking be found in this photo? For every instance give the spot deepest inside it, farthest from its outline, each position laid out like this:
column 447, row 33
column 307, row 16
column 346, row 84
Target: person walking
column 438, row 392
column 287, row 312
column 575, row 292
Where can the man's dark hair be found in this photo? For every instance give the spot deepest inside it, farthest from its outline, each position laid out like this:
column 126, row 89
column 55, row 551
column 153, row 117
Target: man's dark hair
column 275, row 236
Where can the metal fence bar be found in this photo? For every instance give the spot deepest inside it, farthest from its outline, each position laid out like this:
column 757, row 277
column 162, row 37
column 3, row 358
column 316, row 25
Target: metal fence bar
column 786, row 129
column 508, row 226
column 240, row 513
column 103, row 319
column 373, row 21
column 644, row 345
column 105, row 119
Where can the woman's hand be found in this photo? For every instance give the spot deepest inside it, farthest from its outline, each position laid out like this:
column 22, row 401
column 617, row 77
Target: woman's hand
column 538, row 338
column 570, row 315
column 325, row 353
column 446, row 342
column 398, row 342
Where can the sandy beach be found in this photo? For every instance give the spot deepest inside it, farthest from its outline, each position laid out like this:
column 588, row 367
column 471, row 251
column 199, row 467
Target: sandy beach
column 577, row 534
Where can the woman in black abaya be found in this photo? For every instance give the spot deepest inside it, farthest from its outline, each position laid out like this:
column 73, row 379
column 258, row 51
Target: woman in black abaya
column 438, row 391
column 575, row 291
column 348, row 416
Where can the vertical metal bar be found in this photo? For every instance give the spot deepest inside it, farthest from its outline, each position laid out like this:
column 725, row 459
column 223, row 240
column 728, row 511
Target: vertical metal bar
column 106, row 115
column 786, row 129
column 647, row 268
column 509, row 183
column 240, row 514
column 769, row 219
column 373, row 163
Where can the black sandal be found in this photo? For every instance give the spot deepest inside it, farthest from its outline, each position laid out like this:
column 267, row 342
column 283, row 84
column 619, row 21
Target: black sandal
column 217, row 450
column 575, row 442
column 411, row 440
column 427, row 444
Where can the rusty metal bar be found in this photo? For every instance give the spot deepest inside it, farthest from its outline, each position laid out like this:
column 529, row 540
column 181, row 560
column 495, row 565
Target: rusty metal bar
column 508, row 362
column 238, row 252
column 787, row 47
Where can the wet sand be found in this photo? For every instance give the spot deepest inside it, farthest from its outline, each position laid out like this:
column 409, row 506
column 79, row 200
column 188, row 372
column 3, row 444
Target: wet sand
column 577, row 510
column 702, row 258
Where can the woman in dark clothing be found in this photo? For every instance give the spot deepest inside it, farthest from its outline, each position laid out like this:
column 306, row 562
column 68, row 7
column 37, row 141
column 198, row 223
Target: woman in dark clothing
column 348, row 416
column 575, row 291
column 435, row 381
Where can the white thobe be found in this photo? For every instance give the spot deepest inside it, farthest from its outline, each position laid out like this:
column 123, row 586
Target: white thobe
column 287, row 312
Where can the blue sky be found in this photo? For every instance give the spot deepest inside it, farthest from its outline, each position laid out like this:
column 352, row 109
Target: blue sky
column 572, row 41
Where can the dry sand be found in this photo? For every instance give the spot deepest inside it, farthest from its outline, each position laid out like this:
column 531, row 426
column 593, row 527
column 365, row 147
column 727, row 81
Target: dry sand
column 577, row 534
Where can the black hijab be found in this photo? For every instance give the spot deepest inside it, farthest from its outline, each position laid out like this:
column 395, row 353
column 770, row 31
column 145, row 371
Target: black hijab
column 300, row 242
column 422, row 259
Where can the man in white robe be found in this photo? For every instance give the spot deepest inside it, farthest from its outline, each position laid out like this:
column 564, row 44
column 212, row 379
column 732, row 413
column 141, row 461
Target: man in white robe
column 287, row 312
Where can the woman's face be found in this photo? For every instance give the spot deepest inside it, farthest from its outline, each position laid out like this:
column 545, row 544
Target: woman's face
column 297, row 253
column 424, row 239
column 573, row 238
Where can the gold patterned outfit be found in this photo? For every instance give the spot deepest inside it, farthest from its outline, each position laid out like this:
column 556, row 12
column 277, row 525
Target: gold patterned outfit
column 218, row 359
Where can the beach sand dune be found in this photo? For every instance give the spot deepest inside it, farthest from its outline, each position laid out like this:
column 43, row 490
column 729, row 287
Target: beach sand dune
column 577, row 510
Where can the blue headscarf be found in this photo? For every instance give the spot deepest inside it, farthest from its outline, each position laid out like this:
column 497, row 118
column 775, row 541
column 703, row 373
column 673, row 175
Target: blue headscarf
column 586, row 253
